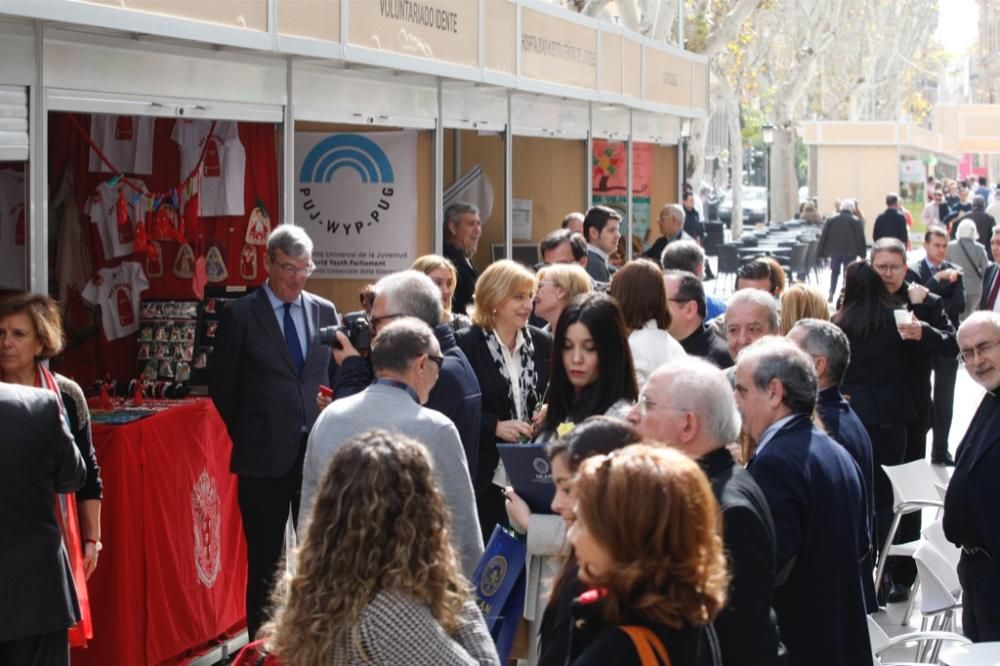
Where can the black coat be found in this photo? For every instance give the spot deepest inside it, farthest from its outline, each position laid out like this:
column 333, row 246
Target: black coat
column 990, row 275
column 37, row 460
column 891, row 224
column 747, row 626
column 843, row 235
column 814, row 490
column 496, row 407
column 844, row 426
column 465, row 284
column 952, row 294
column 705, row 344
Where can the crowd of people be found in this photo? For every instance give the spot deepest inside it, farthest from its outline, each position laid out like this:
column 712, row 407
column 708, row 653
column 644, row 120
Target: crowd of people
column 719, row 492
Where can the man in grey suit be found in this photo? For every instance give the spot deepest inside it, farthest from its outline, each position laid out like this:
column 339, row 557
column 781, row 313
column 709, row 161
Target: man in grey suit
column 266, row 370
column 407, row 360
column 37, row 460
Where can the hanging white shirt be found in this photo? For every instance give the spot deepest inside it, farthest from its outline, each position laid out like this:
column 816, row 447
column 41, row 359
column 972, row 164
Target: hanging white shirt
column 117, row 290
column 127, row 141
column 13, row 231
column 102, row 207
column 220, row 180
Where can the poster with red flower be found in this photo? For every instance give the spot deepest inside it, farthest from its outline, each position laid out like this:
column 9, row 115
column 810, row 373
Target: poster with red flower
column 609, row 183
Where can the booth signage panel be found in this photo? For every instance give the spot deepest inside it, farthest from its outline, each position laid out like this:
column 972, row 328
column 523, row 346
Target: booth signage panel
column 248, row 14
column 609, row 181
column 445, row 30
column 13, row 123
column 912, row 171
column 356, row 197
column 631, row 68
column 699, row 86
column 501, row 17
column 983, row 126
column 666, row 78
column 557, row 50
column 316, row 19
column 611, row 63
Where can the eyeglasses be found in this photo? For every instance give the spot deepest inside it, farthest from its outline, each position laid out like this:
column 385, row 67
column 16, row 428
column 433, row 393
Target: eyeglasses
column 886, row 268
column 645, row 404
column 290, row 270
column 438, row 360
column 377, row 321
column 969, row 355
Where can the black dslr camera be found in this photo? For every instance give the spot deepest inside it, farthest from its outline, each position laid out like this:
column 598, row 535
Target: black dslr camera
column 355, row 326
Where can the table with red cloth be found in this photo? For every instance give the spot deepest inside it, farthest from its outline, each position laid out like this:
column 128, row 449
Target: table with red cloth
column 172, row 573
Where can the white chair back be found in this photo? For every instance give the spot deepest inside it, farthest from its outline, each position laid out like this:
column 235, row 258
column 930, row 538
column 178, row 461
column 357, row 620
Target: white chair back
column 939, row 586
column 913, row 482
column 934, row 535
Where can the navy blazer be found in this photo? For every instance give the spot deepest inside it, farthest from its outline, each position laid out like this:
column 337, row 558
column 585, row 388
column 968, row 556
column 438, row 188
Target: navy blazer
column 891, row 224
column 254, row 384
column 814, row 490
column 952, row 294
column 991, row 274
column 37, row 460
column 844, row 426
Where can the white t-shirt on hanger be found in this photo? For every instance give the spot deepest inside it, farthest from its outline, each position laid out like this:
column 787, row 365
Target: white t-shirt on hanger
column 117, row 291
column 125, row 140
column 13, row 231
column 102, row 207
column 219, row 182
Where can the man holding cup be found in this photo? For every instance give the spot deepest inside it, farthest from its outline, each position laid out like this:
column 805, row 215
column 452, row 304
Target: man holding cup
column 923, row 323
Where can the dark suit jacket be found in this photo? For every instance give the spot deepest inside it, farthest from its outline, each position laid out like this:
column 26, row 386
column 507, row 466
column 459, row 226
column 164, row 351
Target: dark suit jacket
column 843, row 235
column 253, row 383
column 844, row 426
column 952, row 293
column 747, row 626
column 597, row 267
column 875, row 382
column 814, row 490
column 37, row 460
column 465, row 284
column 990, row 275
column 495, row 399
column 891, row 224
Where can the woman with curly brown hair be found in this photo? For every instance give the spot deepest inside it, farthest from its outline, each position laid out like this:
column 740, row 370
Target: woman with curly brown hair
column 377, row 579
column 646, row 539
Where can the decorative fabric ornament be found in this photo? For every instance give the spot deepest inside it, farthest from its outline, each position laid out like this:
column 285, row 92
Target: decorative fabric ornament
column 154, row 262
column 165, row 223
column 191, row 215
column 184, row 262
column 258, row 227
column 141, row 240
column 125, row 231
column 200, row 278
column 248, row 262
column 215, row 265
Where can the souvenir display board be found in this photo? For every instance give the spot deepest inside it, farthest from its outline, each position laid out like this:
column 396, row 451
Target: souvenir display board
column 167, row 332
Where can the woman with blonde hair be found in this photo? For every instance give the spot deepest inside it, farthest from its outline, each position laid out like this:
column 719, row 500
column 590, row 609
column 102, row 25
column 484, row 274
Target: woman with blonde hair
column 442, row 273
column 801, row 301
column 511, row 361
column 377, row 579
column 558, row 284
column 656, row 570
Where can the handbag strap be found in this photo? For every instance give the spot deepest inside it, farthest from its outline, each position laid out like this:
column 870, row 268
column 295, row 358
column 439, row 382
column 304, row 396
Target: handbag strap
column 648, row 645
column 971, row 262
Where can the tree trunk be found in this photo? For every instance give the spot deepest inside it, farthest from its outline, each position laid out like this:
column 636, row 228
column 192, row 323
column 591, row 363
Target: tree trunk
column 736, row 158
column 784, row 180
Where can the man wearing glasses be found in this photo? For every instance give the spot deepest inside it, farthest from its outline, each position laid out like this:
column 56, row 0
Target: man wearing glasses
column 407, row 359
column 928, row 334
column 971, row 520
column 266, row 369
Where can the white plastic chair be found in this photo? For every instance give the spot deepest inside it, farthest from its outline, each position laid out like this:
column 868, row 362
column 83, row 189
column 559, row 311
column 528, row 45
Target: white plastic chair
column 941, row 592
column 913, row 488
column 933, row 533
column 881, row 642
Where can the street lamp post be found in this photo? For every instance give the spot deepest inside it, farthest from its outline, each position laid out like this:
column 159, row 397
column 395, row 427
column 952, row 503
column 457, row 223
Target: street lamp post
column 685, row 137
column 767, row 135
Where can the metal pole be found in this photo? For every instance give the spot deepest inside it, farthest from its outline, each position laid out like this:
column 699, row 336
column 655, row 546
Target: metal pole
column 767, row 180
column 439, row 172
column 630, row 212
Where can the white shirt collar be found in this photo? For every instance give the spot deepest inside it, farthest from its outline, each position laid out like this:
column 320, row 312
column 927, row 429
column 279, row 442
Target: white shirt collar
column 598, row 251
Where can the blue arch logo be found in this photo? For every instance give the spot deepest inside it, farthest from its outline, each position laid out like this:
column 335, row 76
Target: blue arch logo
column 346, row 151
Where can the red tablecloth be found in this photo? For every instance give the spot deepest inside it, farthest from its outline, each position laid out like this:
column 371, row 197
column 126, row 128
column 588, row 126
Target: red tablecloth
column 172, row 573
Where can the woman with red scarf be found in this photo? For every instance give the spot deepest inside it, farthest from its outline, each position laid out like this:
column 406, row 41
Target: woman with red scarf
column 30, row 332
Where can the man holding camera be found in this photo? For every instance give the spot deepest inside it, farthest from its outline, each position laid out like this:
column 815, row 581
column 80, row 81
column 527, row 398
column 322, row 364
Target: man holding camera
column 267, row 367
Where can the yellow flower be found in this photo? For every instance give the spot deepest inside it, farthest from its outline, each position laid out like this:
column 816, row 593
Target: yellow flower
column 565, row 428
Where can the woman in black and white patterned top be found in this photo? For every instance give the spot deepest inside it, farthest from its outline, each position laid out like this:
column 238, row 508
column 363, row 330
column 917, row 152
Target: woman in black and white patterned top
column 377, row 579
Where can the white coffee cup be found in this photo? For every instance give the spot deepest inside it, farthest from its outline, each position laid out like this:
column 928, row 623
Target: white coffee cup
column 902, row 316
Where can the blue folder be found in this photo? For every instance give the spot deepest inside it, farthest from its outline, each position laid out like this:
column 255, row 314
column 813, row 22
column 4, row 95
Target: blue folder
column 530, row 473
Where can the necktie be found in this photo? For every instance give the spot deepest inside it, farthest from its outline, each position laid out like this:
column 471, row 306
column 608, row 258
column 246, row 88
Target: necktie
column 292, row 340
column 991, row 301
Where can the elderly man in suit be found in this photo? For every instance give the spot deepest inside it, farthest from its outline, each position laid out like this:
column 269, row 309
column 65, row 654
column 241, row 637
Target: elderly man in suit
column 37, row 460
column 688, row 405
column 407, row 361
column 971, row 520
column 266, row 371
column 815, row 493
column 991, row 278
column 830, row 351
column 843, row 240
